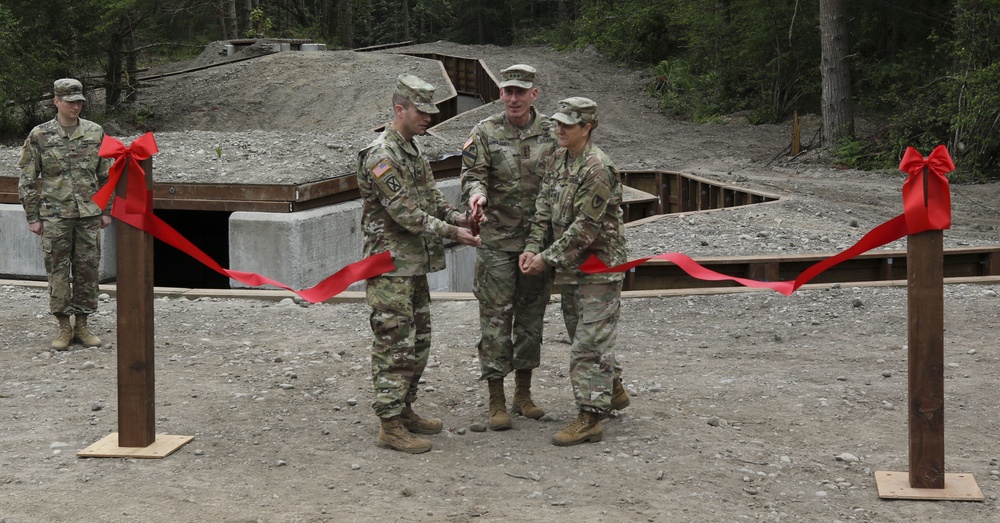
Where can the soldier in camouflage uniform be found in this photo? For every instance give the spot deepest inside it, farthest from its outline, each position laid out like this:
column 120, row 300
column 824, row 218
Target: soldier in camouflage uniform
column 500, row 181
column 60, row 172
column 578, row 213
column 404, row 213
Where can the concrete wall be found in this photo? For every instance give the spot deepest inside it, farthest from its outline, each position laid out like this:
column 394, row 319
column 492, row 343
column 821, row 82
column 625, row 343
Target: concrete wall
column 298, row 249
column 22, row 250
column 301, row 249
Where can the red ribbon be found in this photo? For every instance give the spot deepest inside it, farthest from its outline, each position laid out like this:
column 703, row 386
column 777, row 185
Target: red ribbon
column 926, row 198
column 137, row 200
column 137, row 212
column 926, row 204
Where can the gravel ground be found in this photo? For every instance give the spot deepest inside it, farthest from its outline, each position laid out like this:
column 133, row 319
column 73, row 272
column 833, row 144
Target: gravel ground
column 745, row 405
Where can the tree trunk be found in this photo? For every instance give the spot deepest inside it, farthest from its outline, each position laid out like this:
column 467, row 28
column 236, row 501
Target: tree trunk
column 479, row 22
column 245, row 15
column 348, row 30
column 838, row 113
column 234, row 28
column 406, row 20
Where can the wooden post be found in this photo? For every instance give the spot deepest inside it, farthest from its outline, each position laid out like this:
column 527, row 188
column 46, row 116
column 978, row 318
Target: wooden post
column 136, row 436
column 136, row 411
column 925, row 379
column 925, row 359
column 796, row 135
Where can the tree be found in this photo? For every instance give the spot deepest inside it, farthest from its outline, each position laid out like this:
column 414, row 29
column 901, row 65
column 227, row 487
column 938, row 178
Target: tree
column 836, row 104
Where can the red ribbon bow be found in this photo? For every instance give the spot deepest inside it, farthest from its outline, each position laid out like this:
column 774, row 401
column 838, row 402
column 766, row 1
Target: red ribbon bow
column 138, row 200
column 926, row 198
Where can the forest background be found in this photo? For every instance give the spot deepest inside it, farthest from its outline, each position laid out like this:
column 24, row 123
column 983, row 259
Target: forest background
column 921, row 72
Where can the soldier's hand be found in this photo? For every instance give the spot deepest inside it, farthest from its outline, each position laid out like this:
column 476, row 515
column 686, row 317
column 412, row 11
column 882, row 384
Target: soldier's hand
column 476, row 204
column 36, row 227
column 105, row 220
column 524, row 260
column 466, row 237
column 536, row 265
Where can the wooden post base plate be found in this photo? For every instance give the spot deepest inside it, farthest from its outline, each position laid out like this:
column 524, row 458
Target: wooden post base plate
column 957, row 487
column 107, row 447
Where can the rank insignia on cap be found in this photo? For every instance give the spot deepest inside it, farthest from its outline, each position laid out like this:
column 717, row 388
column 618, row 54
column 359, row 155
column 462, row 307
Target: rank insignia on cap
column 381, row 168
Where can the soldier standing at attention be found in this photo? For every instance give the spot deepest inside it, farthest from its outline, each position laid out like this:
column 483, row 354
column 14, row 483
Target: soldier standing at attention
column 60, row 173
column 578, row 213
column 404, row 213
column 500, row 181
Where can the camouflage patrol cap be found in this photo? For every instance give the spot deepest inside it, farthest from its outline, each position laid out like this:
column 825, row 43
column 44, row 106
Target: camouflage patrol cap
column 576, row 110
column 417, row 91
column 68, row 90
column 518, row 75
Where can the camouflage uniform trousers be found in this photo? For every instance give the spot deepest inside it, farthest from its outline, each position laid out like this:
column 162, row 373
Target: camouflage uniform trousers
column 571, row 318
column 511, row 312
column 592, row 355
column 72, row 250
column 401, row 324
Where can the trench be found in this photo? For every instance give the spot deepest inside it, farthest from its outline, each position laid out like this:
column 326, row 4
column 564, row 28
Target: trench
column 201, row 212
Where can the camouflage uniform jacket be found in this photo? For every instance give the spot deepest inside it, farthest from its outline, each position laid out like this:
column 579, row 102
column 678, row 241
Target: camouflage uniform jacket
column 579, row 208
column 402, row 210
column 499, row 161
column 61, row 173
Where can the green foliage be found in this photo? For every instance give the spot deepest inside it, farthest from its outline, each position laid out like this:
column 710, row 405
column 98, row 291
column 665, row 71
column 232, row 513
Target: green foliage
column 686, row 95
column 975, row 122
column 863, row 154
column 631, row 32
column 260, row 24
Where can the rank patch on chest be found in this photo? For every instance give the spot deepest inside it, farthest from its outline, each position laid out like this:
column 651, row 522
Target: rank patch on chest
column 381, row 168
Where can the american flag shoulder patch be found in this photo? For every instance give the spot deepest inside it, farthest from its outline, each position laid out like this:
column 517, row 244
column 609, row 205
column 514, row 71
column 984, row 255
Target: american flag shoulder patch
column 381, row 168
column 468, row 143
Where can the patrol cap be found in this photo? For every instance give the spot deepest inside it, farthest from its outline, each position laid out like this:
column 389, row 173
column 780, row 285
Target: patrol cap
column 69, row 90
column 576, row 110
column 518, row 75
column 417, row 91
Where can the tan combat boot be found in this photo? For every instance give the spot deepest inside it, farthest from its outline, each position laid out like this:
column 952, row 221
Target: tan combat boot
column 393, row 435
column 586, row 428
column 82, row 335
column 499, row 420
column 418, row 425
column 522, row 396
column 619, row 396
column 65, row 336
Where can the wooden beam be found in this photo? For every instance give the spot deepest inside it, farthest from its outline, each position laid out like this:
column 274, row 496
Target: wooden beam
column 136, row 411
column 925, row 359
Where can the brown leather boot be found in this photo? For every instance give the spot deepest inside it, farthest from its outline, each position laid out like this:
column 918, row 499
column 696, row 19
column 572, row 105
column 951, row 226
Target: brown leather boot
column 418, row 425
column 65, row 336
column 586, row 428
column 499, row 420
column 393, row 435
column 522, row 396
column 82, row 335
column 619, row 396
